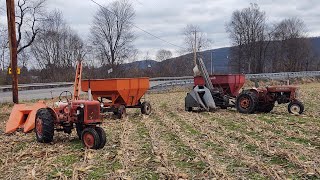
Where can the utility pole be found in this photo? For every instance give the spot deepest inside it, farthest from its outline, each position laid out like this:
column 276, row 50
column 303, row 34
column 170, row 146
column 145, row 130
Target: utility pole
column 13, row 48
column 195, row 48
column 211, row 63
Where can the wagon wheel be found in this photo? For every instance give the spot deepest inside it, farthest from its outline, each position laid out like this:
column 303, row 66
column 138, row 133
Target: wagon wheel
column 122, row 112
column 44, row 126
column 246, row 102
column 146, row 108
column 90, row 138
column 295, row 107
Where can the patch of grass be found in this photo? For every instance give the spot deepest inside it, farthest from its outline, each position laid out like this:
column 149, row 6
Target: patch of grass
column 299, row 140
column 148, row 175
column 20, row 146
column 116, row 165
column 76, row 144
column 164, row 105
column 214, row 146
column 251, row 147
column 188, row 127
column 257, row 176
column 2, row 105
column 229, row 124
column 67, row 160
column 235, row 165
column 279, row 160
column 97, row 173
column 56, row 173
column 267, row 119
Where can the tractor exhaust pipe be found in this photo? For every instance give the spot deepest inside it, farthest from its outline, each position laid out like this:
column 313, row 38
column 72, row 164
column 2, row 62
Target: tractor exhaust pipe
column 89, row 92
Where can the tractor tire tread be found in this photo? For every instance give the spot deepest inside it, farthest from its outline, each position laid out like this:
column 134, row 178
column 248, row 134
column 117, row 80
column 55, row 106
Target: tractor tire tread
column 47, row 125
column 254, row 98
column 95, row 135
column 103, row 137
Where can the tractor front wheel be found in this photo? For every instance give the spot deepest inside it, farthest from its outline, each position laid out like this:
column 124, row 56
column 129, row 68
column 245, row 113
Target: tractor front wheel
column 44, row 126
column 146, row 108
column 103, row 137
column 295, row 107
column 246, row 102
column 90, row 138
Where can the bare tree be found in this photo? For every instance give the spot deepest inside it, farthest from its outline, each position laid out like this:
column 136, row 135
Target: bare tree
column 28, row 16
column 111, row 33
column 3, row 47
column 57, row 47
column 247, row 31
column 163, row 55
column 292, row 47
column 195, row 40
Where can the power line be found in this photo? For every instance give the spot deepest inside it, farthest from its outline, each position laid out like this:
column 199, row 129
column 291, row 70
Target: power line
column 157, row 37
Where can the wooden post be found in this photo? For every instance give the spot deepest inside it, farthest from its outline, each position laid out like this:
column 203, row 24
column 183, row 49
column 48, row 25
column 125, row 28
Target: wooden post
column 13, row 48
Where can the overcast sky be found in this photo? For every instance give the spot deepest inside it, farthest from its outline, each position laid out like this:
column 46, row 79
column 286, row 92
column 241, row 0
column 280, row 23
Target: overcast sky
column 167, row 18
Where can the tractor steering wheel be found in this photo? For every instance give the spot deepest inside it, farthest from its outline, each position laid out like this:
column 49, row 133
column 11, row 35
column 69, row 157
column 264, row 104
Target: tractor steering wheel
column 65, row 95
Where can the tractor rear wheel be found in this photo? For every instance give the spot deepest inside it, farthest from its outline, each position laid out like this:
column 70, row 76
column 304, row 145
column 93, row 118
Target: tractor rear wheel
column 246, row 102
column 90, row 138
column 44, row 126
column 295, row 107
column 103, row 137
column 146, row 108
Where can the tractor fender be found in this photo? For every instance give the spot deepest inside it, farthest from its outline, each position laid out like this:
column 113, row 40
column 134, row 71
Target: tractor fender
column 253, row 90
column 53, row 113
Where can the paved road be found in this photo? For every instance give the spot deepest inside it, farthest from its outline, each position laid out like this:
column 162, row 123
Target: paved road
column 46, row 93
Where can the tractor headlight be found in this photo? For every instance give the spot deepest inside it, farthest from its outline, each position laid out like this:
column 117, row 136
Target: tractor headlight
column 82, row 106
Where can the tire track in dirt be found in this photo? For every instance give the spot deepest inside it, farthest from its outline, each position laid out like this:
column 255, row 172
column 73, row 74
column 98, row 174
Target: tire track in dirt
column 205, row 156
column 230, row 152
column 134, row 153
column 160, row 148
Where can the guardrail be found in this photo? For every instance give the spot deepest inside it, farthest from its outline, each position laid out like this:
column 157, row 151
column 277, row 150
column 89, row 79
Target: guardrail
column 173, row 81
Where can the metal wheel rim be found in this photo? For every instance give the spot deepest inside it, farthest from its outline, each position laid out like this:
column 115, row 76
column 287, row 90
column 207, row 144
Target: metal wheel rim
column 245, row 102
column 39, row 127
column 88, row 139
column 295, row 109
column 147, row 109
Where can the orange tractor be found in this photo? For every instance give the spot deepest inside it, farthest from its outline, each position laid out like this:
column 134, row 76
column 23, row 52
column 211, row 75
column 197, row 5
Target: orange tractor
column 68, row 113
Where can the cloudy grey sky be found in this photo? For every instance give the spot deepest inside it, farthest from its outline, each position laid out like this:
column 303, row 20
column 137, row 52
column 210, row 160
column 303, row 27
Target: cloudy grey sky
column 167, row 18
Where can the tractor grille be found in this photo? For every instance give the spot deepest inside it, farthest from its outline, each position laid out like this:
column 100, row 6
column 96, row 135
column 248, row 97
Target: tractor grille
column 93, row 112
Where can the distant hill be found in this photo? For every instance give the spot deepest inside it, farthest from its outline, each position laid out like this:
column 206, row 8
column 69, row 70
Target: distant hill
column 144, row 64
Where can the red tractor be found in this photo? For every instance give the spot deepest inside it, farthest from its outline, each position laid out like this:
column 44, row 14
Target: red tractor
column 263, row 99
column 66, row 114
column 83, row 114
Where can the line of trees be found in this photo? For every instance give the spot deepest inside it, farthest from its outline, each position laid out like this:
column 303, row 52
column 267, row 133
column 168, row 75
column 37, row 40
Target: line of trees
column 260, row 47
column 48, row 45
